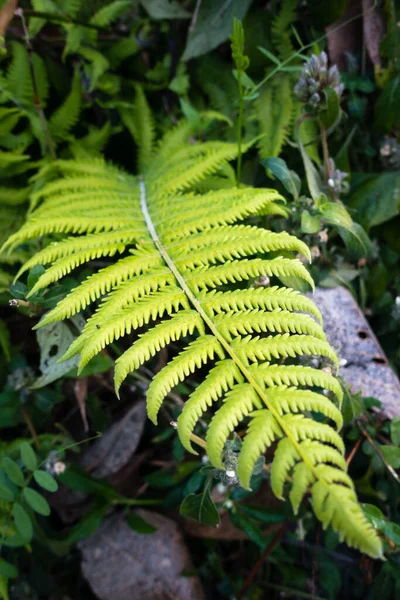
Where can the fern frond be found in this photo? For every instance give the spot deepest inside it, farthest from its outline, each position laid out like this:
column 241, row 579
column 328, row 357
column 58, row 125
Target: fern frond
column 181, row 243
column 294, row 375
column 194, row 356
column 232, row 271
column 238, row 403
column 167, row 300
column 65, row 117
column 291, row 400
column 140, row 123
column 109, row 13
column 274, row 110
column 218, row 381
column 241, row 323
column 263, row 430
column 180, row 325
column 280, row 29
column 282, row 345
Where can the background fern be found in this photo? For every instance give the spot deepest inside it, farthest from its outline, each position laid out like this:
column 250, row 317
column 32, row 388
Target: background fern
column 181, row 252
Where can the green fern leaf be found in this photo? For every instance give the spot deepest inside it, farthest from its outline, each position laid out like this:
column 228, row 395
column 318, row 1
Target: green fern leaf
column 274, row 111
column 65, row 117
column 109, row 13
column 280, row 30
column 19, row 79
column 183, row 249
column 139, row 121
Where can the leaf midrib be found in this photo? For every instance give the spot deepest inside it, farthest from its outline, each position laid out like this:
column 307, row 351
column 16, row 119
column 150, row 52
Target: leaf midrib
column 211, row 325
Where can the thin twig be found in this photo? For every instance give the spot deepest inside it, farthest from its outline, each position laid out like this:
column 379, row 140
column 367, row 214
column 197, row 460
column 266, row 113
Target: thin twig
column 379, row 452
column 31, row 428
column 353, row 452
column 195, row 15
column 276, row 539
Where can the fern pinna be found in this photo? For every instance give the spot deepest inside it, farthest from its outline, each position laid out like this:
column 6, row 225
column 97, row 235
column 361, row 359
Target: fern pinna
column 183, row 250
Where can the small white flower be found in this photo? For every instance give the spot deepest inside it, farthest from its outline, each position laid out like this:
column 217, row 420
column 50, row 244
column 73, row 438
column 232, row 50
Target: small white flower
column 59, row 467
column 230, row 473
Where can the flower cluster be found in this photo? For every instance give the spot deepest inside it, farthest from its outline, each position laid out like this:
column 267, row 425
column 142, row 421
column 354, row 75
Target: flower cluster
column 390, row 153
column 314, row 78
column 337, row 182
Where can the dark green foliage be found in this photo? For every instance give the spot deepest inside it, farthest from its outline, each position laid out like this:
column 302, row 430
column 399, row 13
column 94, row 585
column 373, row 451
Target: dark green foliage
column 77, row 92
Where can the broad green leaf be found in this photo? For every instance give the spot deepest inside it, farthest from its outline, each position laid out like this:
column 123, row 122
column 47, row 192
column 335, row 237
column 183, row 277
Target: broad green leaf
column 36, row 502
column 13, row 471
column 6, row 493
column 395, row 431
column 23, row 522
column 329, row 114
column 247, row 525
column 34, row 275
column 378, row 520
column 82, row 482
column 310, row 223
column 335, row 214
column 140, row 525
column 391, row 455
column 200, row 508
column 289, row 179
column 28, row 456
column 7, row 569
column 164, row 9
column 376, row 199
column 265, row 515
column 46, row 481
column 313, row 179
column 88, row 524
column 356, row 240
column 352, row 406
column 213, row 25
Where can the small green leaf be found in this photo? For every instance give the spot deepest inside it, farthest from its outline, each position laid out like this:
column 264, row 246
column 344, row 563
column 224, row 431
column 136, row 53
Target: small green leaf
column 395, row 431
column 330, row 112
column 391, row 455
column 23, row 522
column 352, row 406
column 356, row 240
column 140, row 525
column 34, row 275
column 13, row 471
column 335, row 214
column 289, row 179
column 200, row 508
column 310, row 223
column 7, row 569
column 28, row 456
column 46, row 481
column 6, row 493
column 37, row 502
column 313, row 178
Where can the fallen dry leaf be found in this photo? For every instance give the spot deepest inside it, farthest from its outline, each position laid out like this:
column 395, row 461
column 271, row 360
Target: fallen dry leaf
column 115, row 448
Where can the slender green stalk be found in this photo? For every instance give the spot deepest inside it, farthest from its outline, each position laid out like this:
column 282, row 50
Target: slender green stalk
column 239, row 130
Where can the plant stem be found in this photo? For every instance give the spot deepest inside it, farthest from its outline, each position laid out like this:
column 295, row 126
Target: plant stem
column 378, row 451
column 275, row 540
column 239, row 131
column 38, row 105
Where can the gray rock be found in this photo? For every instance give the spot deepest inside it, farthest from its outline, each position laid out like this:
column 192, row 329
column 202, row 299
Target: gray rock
column 121, row 564
column 364, row 365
